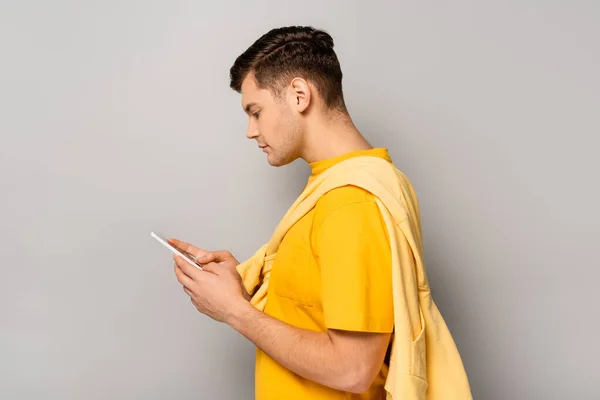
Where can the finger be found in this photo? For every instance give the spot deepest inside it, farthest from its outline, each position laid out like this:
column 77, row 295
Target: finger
column 194, row 303
column 185, row 280
column 212, row 267
column 189, row 292
column 187, row 248
column 186, row 267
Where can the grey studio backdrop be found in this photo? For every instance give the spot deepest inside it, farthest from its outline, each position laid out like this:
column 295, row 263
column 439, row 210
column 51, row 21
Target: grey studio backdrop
column 117, row 120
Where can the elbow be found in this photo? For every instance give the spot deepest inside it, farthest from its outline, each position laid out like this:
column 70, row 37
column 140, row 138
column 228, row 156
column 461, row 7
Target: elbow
column 359, row 379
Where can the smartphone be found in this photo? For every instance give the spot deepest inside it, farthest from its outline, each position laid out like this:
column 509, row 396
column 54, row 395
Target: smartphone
column 176, row 251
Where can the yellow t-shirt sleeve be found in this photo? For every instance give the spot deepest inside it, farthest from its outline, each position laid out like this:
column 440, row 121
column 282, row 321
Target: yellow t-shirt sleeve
column 352, row 249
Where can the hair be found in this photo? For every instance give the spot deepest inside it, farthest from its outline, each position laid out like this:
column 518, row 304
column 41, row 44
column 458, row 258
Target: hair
column 295, row 51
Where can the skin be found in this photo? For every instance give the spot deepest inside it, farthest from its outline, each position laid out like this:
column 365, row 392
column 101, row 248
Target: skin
column 295, row 124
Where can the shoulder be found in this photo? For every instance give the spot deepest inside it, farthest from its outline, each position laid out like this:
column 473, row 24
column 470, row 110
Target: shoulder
column 346, row 201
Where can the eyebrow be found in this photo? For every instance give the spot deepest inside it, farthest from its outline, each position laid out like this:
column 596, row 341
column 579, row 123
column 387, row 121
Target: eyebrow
column 248, row 107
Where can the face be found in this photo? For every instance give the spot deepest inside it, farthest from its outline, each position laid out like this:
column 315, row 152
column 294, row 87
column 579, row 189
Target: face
column 274, row 123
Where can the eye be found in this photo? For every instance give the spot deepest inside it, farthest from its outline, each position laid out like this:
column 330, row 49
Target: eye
column 256, row 114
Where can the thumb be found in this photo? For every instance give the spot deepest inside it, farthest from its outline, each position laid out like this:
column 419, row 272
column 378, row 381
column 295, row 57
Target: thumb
column 214, row 256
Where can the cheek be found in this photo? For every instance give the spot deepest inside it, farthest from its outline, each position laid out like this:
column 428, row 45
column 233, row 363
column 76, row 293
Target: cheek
column 291, row 132
column 269, row 128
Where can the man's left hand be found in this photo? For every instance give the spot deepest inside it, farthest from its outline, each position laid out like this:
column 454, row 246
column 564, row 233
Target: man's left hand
column 216, row 290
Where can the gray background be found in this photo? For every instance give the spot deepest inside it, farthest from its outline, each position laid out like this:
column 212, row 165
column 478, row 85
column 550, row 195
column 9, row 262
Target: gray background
column 117, row 120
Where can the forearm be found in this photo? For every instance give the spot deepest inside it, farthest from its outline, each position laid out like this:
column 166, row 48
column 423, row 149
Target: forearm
column 309, row 354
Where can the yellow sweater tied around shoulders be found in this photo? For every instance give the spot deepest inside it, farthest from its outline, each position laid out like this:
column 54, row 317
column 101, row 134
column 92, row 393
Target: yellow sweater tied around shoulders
column 424, row 361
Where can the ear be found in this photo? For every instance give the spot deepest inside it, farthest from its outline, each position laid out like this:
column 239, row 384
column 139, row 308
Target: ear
column 301, row 94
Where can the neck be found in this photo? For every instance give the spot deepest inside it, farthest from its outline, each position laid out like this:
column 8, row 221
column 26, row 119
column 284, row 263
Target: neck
column 331, row 136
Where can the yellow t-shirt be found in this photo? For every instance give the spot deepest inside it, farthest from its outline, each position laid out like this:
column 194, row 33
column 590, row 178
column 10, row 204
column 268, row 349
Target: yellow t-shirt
column 332, row 271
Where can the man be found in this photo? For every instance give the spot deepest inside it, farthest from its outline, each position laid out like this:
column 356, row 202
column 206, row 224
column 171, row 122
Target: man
column 325, row 330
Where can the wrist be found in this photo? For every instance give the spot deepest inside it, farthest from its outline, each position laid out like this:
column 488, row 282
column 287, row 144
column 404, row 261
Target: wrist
column 240, row 312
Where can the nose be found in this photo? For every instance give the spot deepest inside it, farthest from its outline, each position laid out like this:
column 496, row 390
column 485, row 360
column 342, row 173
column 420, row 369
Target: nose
column 252, row 131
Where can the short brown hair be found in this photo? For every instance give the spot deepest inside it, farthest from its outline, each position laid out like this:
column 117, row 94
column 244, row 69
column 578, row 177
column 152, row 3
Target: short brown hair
column 283, row 53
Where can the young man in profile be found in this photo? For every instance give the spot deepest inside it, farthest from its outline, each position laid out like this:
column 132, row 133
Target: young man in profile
column 331, row 305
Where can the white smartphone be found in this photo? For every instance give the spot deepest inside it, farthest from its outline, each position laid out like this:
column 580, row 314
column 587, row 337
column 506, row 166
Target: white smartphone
column 176, row 251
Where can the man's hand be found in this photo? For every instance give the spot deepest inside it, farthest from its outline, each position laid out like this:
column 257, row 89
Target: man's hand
column 217, row 289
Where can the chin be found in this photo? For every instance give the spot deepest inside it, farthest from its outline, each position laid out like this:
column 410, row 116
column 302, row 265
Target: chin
column 277, row 161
